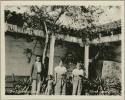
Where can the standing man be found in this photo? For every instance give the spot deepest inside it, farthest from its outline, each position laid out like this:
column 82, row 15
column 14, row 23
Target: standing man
column 77, row 75
column 60, row 79
column 36, row 76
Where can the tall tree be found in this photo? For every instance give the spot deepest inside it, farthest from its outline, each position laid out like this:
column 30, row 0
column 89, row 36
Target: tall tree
column 51, row 18
column 41, row 15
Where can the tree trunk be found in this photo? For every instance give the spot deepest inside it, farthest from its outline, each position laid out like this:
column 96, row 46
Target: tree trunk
column 86, row 59
column 46, row 43
column 47, row 37
column 51, row 55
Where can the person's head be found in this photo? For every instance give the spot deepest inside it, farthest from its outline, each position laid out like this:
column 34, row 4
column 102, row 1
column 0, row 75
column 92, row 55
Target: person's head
column 38, row 58
column 50, row 77
column 83, row 67
column 78, row 65
column 60, row 62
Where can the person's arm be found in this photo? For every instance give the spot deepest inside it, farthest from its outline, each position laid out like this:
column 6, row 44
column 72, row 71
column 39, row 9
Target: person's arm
column 81, row 73
column 84, row 74
column 65, row 73
column 73, row 75
column 55, row 78
column 56, row 72
column 31, row 71
column 65, row 70
column 97, row 55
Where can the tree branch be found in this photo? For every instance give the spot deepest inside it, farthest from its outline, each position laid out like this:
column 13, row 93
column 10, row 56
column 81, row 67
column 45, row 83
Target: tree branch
column 62, row 12
column 46, row 42
column 47, row 35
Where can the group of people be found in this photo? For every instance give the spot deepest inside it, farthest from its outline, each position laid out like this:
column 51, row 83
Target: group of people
column 57, row 84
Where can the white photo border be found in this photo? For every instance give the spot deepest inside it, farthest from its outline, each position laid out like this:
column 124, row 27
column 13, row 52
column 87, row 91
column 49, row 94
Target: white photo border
column 103, row 3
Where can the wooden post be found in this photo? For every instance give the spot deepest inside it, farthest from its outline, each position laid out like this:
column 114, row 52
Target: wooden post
column 51, row 55
column 86, row 59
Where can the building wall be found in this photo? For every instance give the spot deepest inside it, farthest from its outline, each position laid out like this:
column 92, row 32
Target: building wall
column 111, row 69
column 16, row 60
column 106, row 68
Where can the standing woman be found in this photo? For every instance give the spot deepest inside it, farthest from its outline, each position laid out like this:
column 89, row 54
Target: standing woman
column 77, row 75
column 60, row 79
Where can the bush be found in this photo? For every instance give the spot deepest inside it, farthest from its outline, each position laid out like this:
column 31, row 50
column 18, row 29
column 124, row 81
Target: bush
column 21, row 87
column 108, row 86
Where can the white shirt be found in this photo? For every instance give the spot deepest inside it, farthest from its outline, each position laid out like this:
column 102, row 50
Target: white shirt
column 77, row 72
column 60, row 70
column 38, row 65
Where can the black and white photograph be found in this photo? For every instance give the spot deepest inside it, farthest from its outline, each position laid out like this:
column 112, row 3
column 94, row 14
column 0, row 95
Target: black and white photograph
column 62, row 49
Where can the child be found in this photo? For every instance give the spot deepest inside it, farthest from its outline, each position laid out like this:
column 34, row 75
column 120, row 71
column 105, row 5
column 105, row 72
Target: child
column 49, row 89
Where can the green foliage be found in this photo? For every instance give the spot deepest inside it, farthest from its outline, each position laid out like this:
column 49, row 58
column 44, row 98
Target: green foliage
column 21, row 87
column 112, row 85
column 102, row 87
column 80, row 16
column 14, row 18
column 78, row 21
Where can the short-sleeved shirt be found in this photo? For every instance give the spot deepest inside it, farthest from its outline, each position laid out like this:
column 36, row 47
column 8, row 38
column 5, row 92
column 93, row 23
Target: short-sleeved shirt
column 77, row 72
column 60, row 70
column 38, row 65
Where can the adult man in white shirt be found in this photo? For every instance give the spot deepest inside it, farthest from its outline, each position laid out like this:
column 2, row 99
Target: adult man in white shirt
column 60, row 79
column 77, row 75
column 36, row 76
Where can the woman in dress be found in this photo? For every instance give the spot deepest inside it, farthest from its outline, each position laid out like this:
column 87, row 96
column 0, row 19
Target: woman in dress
column 60, row 79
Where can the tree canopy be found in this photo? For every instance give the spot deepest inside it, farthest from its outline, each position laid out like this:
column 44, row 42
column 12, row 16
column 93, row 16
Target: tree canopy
column 78, row 21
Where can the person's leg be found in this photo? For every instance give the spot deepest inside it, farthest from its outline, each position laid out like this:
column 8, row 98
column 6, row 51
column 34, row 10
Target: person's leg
column 49, row 87
column 46, row 91
column 79, row 87
column 58, row 87
column 38, row 87
column 38, row 84
column 33, row 91
column 75, row 85
column 63, row 87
